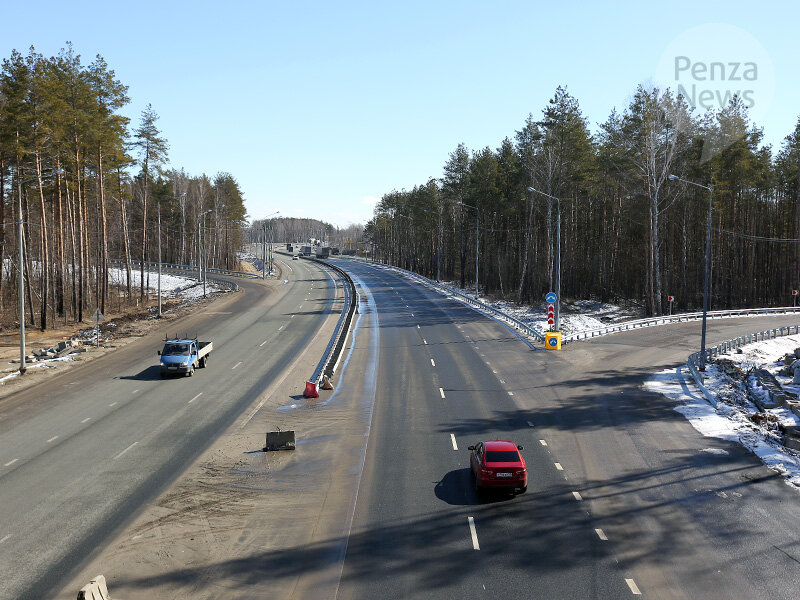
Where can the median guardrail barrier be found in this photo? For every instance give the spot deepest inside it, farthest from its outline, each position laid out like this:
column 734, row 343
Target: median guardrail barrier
column 333, row 352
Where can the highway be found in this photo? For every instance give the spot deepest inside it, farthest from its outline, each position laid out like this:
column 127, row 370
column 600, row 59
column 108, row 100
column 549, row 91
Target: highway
column 81, row 453
column 623, row 497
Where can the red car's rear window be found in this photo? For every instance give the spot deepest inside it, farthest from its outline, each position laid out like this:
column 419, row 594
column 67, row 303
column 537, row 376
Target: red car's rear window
column 502, row 456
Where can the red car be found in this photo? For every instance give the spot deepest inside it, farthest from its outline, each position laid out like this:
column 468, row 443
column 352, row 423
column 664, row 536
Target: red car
column 498, row 464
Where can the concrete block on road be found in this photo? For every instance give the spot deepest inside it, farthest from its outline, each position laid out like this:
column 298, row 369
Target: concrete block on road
column 280, row 440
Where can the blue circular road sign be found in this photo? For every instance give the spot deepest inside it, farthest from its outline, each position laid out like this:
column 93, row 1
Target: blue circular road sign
column 551, row 298
column 553, row 342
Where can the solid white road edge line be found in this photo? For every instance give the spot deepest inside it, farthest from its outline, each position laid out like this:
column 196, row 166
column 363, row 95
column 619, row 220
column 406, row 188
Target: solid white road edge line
column 441, row 391
column 634, row 588
column 601, row 535
column 453, row 439
column 124, row 451
column 473, row 533
column 196, row 397
column 577, row 496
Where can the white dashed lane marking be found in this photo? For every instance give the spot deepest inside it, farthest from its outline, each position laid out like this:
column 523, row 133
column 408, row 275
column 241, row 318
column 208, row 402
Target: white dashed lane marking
column 453, row 439
column 577, row 496
column 441, row 391
column 634, row 588
column 601, row 535
column 543, row 443
column 5, row 538
column 52, row 439
column 196, row 397
column 473, row 533
column 424, row 341
column 530, row 424
column 558, row 466
column 236, row 365
column 113, row 404
column 11, row 462
column 86, row 419
column 126, row 449
column 433, row 364
column 135, row 391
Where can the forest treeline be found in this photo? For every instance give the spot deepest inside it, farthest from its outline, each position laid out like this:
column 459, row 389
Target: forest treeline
column 92, row 191
column 628, row 231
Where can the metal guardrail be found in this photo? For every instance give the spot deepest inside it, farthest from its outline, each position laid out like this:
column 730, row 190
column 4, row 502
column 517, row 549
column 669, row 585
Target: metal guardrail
column 186, row 270
column 693, row 361
column 190, row 268
column 477, row 304
column 333, row 352
column 678, row 318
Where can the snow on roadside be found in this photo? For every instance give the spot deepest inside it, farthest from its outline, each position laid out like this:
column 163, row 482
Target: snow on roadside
column 577, row 315
column 731, row 420
column 172, row 286
column 44, row 363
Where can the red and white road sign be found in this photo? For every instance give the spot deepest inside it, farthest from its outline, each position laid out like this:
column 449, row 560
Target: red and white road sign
column 670, row 298
column 550, row 314
column 795, row 292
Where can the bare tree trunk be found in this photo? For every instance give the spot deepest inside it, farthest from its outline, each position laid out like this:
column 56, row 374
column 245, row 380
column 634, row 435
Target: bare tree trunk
column 44, row 259
column 103, row 234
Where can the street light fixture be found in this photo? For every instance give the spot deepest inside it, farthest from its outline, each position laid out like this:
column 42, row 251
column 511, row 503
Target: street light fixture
column 158, row 204
column 477, row 241
column 20, row 183
column 706, row 275
column 557, row 320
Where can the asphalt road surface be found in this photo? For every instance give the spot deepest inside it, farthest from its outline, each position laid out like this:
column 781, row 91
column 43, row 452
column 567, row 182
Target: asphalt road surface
column 624, row 498
column 79, row 454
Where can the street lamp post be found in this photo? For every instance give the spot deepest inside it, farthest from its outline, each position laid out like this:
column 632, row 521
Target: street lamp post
column 201, row 248
column 20, row 183
column 477, row 242
column 557, row 319
column 706, row 275
column 264, row 254
column 158, row 204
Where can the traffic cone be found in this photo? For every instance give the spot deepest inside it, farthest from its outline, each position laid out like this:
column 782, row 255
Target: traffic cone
column 326, row 383
column 311, row 390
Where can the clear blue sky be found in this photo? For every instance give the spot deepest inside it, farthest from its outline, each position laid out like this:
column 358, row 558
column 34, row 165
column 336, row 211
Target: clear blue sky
column 319, row 108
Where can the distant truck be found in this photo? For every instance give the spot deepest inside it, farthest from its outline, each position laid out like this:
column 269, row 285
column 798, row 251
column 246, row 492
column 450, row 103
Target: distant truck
column 289, row 248
column 183, row 356
column 305, row 250
column 323, row 252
